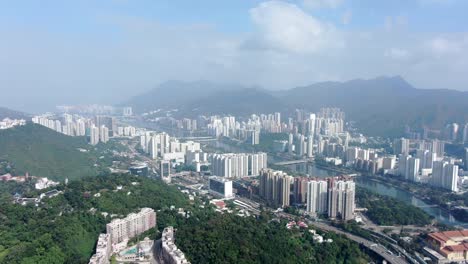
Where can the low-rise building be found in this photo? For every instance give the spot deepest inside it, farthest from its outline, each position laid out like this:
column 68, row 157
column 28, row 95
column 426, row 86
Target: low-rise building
column 452, row 245
column 103, row 250
column 170, row 253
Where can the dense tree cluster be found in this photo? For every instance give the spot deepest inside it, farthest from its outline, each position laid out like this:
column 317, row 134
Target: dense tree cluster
column 46, row 153
column 384, row 210
column 227, row 238
column 63, row 229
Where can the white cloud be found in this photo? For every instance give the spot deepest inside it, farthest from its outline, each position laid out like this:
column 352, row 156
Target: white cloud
column 440, row 46
column 287, row 48
column 347, row 16
column 323, row 3
column 285, row 27
column 396, row 53
column 395, row 22
column 429, row 2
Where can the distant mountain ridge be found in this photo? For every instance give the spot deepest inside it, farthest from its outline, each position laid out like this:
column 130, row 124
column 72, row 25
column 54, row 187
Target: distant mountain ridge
column 172, row 94
column 13, row 114
column 380, row 106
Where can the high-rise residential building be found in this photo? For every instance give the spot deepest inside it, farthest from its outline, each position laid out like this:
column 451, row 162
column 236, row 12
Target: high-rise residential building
column 311, row 125
column 310, row 146
column 103, row 134
column 451, row 132
column 465, row 162
column 403, row 165
column 301, row 146
column 131, row 226
column 80, row 128
column 351, row 154
column 438, row 147
column 451, row 178
column 275, row 187
column 127, row 111
column 426, row 158
column 236, row 165
column 300, row 190
column 401, row 146
column 445, row 175
column 341, row 199
column 94, row 135
column 58, row 126
column 253, row 137
column 278, row 117
column 413, row 169
column 465, row 134
column 290, row 143
column 109, row 122
column 317, row 197
column 153, row 147
column 389, row 163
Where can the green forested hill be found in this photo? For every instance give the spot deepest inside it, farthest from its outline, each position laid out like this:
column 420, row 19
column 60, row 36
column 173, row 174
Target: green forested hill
column 62, row 229
column 43, row 152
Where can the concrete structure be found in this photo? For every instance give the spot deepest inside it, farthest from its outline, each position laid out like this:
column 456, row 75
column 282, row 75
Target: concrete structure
column 317, row 197
column 412, row 170
column 139, row 169
column 103, row 134
column 221, row 186
column 300, row 190
column 465, row 161
column 134, row 224
column 127, row 111
column 237, row 165
column 165, row 170
column 94, row 135
column 445, row 175
column 389, row 163
column 401, row 146
column 341, row 200
column 169, row 252
column 275, row 187
column 103, row 250
column 452, row 245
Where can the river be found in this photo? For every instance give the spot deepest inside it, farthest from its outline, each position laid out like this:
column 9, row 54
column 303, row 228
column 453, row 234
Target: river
column 379, row 187
column 311, row 170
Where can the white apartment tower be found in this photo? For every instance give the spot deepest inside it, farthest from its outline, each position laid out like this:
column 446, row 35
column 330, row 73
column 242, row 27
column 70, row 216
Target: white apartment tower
column 131, row 226
column 317, row 197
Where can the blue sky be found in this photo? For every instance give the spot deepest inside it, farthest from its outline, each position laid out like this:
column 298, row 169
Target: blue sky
column 104, row 51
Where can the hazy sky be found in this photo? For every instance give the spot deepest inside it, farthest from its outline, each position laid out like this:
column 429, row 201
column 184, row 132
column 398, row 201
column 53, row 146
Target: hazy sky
column 89, row 51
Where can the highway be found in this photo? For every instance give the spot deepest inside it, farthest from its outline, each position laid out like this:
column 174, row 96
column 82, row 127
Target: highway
column 379, row 249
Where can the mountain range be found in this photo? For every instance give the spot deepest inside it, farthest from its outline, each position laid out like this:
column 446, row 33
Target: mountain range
column 13, row 114
column 380, row 106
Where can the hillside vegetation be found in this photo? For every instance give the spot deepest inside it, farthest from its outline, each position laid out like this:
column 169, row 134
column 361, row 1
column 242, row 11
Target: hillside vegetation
column 43, row 152
column 63, row 230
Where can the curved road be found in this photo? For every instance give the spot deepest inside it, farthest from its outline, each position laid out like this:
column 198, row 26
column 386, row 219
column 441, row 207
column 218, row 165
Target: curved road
column 369, row 244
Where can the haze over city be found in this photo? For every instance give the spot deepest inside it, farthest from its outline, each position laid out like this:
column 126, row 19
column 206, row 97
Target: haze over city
column 56, row 52
column 243, row 131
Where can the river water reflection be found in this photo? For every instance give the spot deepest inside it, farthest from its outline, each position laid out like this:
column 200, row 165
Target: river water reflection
column 371, row 184
column 384, row 189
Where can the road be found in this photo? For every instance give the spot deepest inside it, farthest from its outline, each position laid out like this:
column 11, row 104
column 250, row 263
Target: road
column 380, row 250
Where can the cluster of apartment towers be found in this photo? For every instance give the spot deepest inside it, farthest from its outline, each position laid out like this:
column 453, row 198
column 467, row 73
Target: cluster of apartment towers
column 333, row 197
